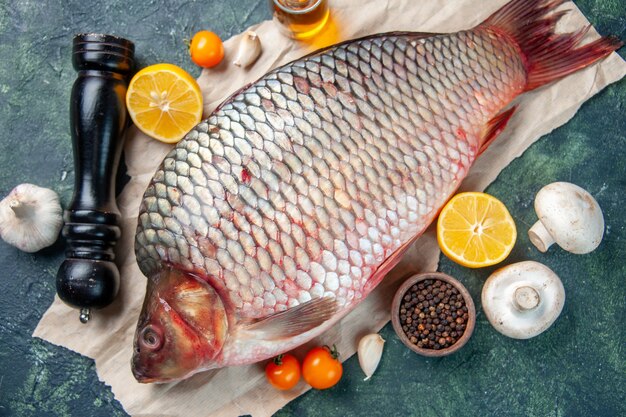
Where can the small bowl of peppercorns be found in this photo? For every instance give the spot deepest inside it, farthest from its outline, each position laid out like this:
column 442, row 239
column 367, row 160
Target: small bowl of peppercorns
column 433, row 314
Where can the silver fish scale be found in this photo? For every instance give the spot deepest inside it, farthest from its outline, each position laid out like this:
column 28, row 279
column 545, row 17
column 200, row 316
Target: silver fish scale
column 305, row 182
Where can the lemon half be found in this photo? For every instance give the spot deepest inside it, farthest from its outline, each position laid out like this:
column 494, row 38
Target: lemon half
column 164, row 102
column 476, row 230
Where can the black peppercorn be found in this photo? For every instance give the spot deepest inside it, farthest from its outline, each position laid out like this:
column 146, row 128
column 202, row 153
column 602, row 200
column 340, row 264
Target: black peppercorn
column 433, row 314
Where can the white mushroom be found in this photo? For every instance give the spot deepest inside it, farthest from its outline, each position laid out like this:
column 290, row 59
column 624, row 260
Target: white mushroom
column 523, row 299
column 569, row 216
column 30, row 217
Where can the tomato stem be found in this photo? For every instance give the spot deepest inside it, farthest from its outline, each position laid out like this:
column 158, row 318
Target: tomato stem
column 333, row 351
column 278, row 360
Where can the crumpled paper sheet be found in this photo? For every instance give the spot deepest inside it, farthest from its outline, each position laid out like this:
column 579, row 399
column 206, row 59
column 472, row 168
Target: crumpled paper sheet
column 242, row 390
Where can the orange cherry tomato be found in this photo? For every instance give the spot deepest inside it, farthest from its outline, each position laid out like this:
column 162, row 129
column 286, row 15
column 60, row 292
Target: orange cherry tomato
column 321, row 369
column 206, row 49
column 283, row 372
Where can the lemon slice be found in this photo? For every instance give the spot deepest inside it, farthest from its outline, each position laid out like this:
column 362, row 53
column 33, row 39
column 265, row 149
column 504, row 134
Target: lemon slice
column 476, row 230
column 164, row 101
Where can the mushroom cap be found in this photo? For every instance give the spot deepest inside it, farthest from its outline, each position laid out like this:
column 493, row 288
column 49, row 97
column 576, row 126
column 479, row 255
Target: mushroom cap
column 571, row 215
column 523, row 299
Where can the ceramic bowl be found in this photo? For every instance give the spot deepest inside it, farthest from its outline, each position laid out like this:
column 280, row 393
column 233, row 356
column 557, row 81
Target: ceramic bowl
column 395, row 313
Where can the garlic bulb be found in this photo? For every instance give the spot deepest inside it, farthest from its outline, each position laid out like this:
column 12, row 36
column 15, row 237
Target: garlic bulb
column 370, row 351
column 249, row 49
column 30, row 217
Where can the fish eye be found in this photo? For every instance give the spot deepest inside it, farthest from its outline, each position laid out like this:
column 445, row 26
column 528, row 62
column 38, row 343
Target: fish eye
column 151, row 338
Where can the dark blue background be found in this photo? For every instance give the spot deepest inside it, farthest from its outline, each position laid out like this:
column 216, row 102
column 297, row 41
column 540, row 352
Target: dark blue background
column 578, row 367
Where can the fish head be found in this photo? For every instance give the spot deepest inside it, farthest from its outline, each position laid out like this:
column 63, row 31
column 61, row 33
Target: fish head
column 182, row 328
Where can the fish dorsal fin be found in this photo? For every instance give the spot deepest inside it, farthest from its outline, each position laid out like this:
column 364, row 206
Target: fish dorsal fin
column 494, row 127
column 293, row 321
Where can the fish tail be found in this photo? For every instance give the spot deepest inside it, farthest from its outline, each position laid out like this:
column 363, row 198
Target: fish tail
column 548, row 56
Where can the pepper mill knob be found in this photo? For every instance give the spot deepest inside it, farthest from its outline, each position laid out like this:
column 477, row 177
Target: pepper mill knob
column 89, row 278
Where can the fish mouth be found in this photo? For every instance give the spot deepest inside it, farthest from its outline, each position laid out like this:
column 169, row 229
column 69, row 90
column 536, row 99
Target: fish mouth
column 142, row 379
column 142, row 372
column 139, row 371
column 143, row 375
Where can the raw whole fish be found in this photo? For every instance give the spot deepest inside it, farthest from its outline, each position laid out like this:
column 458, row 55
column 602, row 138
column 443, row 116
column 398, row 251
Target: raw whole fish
column 279, row 213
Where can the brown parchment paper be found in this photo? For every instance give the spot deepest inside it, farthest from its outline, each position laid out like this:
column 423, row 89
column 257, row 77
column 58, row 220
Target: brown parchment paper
column 242, row 390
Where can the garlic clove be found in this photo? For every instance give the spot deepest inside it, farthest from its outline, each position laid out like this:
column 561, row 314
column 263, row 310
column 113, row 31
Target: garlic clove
column 370, row 350
column 249, row 49
column 31, row 217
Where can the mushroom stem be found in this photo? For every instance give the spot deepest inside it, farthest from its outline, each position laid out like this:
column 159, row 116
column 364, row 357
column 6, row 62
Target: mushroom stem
column 20, row 208
column 540, row 237
column 526, row 298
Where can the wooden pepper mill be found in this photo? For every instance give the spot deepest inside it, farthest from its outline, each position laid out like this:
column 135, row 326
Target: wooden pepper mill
column 89, row 278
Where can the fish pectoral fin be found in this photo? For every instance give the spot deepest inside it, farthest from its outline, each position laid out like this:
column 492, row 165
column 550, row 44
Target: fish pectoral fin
column 494, row 127
column 293, row 321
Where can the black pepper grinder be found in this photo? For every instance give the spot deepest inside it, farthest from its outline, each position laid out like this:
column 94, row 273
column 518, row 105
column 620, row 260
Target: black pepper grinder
column 89, row 278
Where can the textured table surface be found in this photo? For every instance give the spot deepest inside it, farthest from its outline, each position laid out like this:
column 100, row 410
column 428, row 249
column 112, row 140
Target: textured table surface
column 578, row 367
